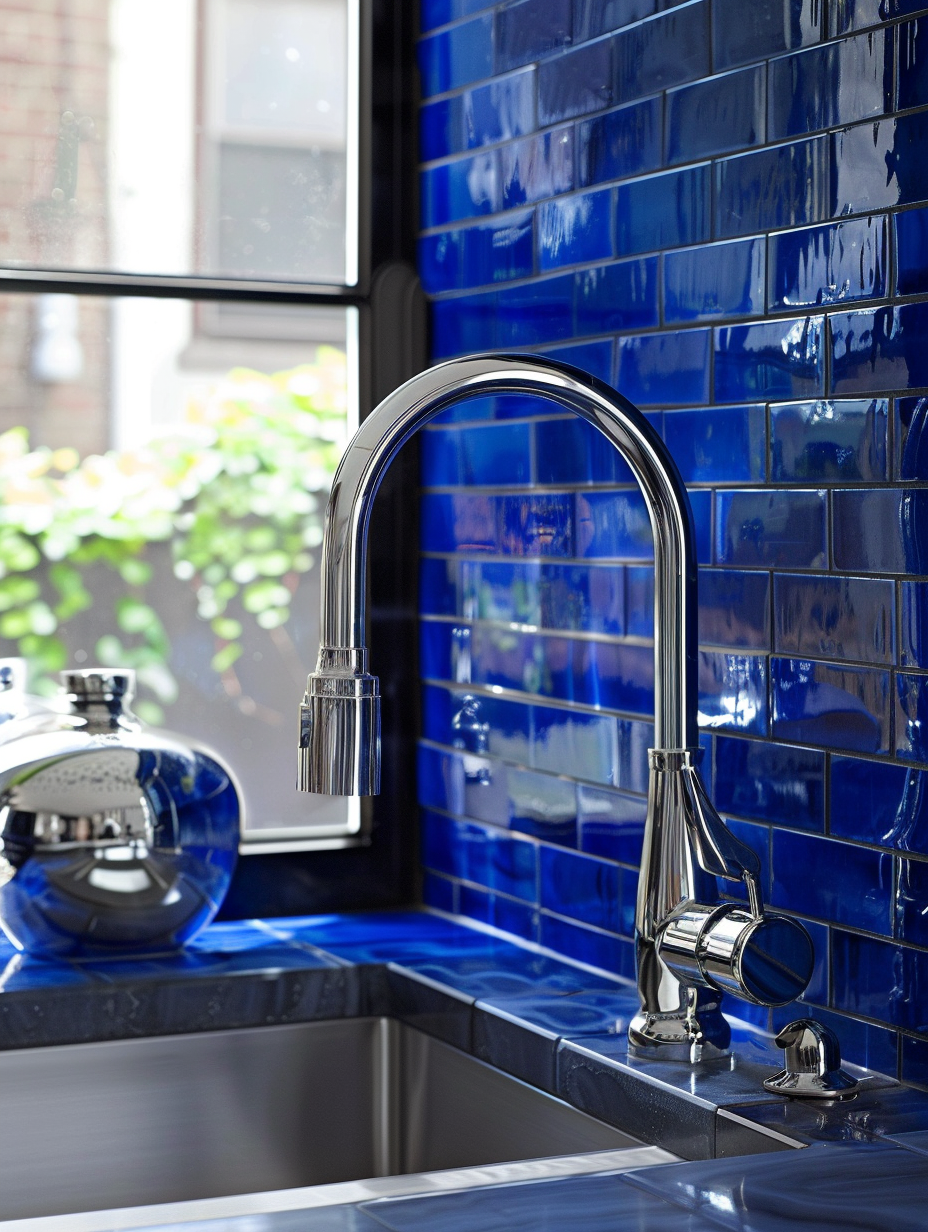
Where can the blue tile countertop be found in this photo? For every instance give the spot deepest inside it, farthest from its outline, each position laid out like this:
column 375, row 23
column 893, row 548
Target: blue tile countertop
column 554, row 1024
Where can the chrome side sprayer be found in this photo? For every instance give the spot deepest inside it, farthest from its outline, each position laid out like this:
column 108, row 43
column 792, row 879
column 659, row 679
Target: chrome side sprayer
column 691, row 947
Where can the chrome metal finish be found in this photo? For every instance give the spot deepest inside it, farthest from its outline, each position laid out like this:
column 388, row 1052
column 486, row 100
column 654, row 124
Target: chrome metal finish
column 686, row 846
column 812, row 1064
column 188, row 1117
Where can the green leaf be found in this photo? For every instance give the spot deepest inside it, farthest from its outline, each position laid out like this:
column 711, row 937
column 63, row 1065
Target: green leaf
column 223, row 659
column 18, row 591
column 226, row 628
column 110, row 652
column 133, row 616
column 260, row 596
column 149, row 712
column 135, row 572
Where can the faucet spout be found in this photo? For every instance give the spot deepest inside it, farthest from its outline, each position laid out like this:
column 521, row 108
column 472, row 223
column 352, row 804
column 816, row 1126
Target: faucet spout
column 688, row 953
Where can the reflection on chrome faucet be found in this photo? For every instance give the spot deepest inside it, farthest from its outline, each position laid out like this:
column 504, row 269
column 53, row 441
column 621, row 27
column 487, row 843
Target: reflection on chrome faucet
column 691, row 947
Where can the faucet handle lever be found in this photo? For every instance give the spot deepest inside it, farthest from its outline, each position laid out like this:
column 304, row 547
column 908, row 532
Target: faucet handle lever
column 718, row 851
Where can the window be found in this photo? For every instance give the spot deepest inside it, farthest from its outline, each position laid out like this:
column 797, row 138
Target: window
column 183, row 264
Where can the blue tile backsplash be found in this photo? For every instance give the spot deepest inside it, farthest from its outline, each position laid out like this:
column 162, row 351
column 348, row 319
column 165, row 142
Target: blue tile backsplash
column 721, row 208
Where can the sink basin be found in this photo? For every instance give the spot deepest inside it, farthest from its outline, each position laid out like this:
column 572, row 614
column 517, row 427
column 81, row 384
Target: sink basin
column 127, row 1123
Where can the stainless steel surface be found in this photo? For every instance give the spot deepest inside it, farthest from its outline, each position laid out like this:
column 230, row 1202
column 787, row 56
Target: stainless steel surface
column 812, row 1067
column 686, row 846
column 178, row 1118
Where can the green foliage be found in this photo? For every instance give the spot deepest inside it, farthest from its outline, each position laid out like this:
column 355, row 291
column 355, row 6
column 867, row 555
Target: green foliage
column 231, row 492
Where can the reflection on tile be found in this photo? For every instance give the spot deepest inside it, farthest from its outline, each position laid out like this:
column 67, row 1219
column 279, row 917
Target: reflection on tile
column 507, row 914
column 575, row 229
column 879, row 164
column 828, row 265
column 838, row 882
column 911, row 438
column 879, row 980
column 718, row 445
column 589, row 945
column 733, row 692
column 878, row 802
column 543, row 806
column 503, row 109
column 828, row 441
column 574, row 743
column 772, row 528
column 740, row 35
column 779, row 359
column 912, row 717
column 770, row 782
column 913, row 649
column 537, row 167
column 574, row 451
column 911, row 923
column 881, row 531
column 722, row 113
column 835, row 84
column 787, row 186
column 824, row 704
column 663, row 211
column 843, row 618
column 487, row 856
column 879, row 349
column 588, row 890
column 715, row 280
column 592, row 357
column 461, row 189
column 500, row 455
column 611, row 824
column 623, row 142
column 613, row 524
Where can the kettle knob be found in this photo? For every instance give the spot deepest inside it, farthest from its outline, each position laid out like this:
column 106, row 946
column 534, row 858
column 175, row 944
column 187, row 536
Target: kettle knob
column 812, row 1064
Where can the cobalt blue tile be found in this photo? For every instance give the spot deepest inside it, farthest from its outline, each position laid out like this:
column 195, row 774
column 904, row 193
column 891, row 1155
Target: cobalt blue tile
column 639, row 601
column 733, row 692
column 531, row 29
column 592, row 357
column 611, row 824
column 881, row 531
column 786, row 186
column 440, row 261
column 741, row 34
column 879, row 802
column 913, row 66
column 662, row 51
column 770, row 782
column 724, row 445
column 440, row 842
column 665, row 369
column 539, row 312
column 914, row 1059
column 508, row 727
column 498, row 111
column 591, row 598
column 619, row 296
column 498, row 967
column 911, row 249
column 438, row 654
column 845, row 15
column 913, row 648
column 441, row 128
column 623, row 142
column 592, row 891
column 594, row 17
column 504, row 591
column 912, row 717
column 498, row 455
column 434, row 13
column 575, row 743
column 834, row 84
column 537, row 524
column 537, row 167
column 734, row 609
column 439, row 892
column 456, row 57
column 834, row 618
column 911, row 921
column 758, row 839
column 574, row 451
column 715, row 116
column 494, row 252
column 439, row 589
column 835, row 440
column 771, row 529
column 439, row 707
column 715, row 280
column 778, row 359
column 829, row 265
column 701, row 507
column 385, row 936
column 496, row 861
column 825, row 704
column 879, row 164
column 464, row 188
column 440, row 779
column 881, row 349
column 663, row 211
column 838, row 882
column 575, row 229
column 610, row 675
column 463, row 325
column 543, row 806
column 599, row 949
column 911, row 422
column 879, row 979
column 631, row 771
column 613, row 524
column 575, row 83
column 507, row 914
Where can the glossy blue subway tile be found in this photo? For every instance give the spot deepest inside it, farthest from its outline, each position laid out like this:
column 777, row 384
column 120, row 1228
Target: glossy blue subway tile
column 614, row 677
column 914, row 1069
column 624, row 142
column 543, row 806
column 596, row 358
column 913, row 66
column 464, row 188
column 881, row 530
column 498, row 111
column 665, row 369
column 495, row 252
column 639, row 600
column 776, row 359
column 595, row 17
column 833, row 706
column 715, row 116
column 622, row 295
column 837, row 83
column 611, row 824
column 498, row 455
column 599, row 949
column 911, row 922
column 439, row 776
column 575, row 230
column 574, row 451
column 828, row 441
column 838, row 882
column 715, row 280
column 585, row 597
column 776, row 783
column 438, row 848
column 441, row 128
column 613, row 524
column 663, row 211
column 718, row 445
column 879, row 164
column 504, row 913
column 589, row 890
column 786, row 186
column 582, row 745
column 912, row 717
column 662, row 51
column 439, row 587
column 439, row 892
column 879, row 980
column 879, row 802
column 741, row 33
column 834, row 618
column 504, row 591
column 733, row 692
column 911, row 251
column 829, row 265
column 464, row 522
column 457, row 56
column 530, row 29
column 634, row 739
column 466, row 324
column 537, row 167
column 440, row 651
column 440, row 261
column 734, row 609
column 537, row 524
column 771, row 529
column 439, row 707
column 701, row 507
column 911, row 424
column 880, row 349
column 913, row 645
column 575, row 83
column 845, row 15
column 536, row 313
column 434, row 13
column 497, row 861
column 507, row 725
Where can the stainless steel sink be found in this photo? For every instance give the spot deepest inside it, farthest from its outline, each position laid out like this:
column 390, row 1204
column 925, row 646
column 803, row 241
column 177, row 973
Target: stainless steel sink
column 127, row 1123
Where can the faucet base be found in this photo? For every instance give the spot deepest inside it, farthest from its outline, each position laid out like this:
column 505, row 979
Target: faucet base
column 685, row 1035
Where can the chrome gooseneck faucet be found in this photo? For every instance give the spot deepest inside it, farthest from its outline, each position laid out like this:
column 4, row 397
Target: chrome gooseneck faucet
column 691, row 947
